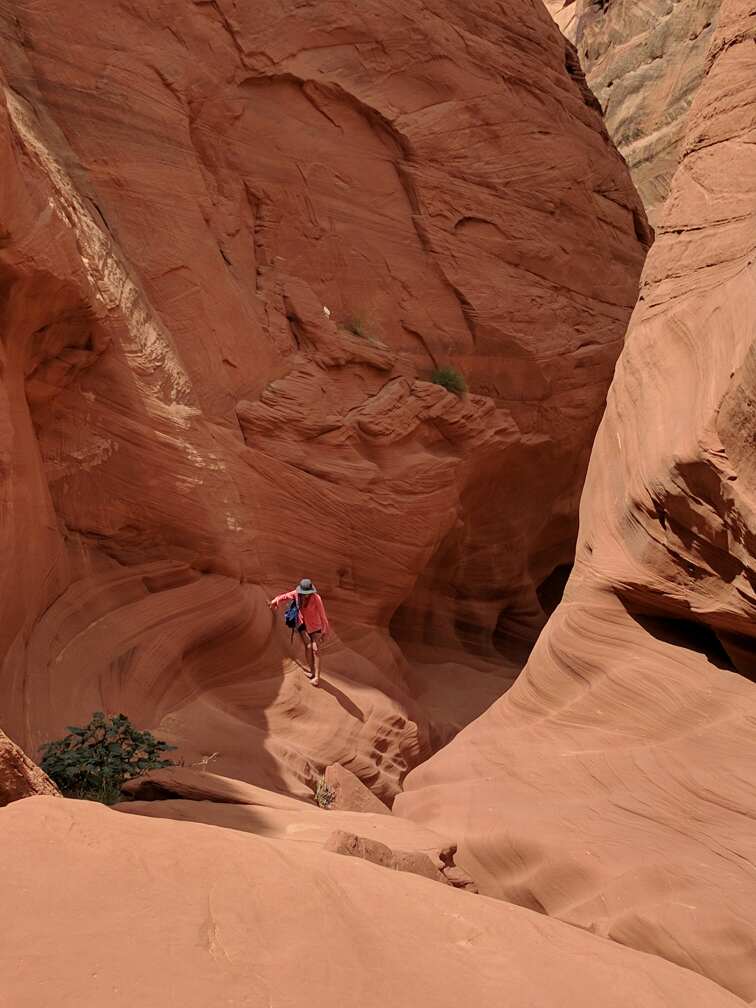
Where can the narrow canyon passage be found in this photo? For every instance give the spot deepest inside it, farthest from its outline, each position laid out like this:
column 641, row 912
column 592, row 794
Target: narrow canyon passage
column 368, row 294
column 233, row 268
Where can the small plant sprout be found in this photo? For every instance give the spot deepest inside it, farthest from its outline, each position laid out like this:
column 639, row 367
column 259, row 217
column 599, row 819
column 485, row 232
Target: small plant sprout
column 356, row 326
column 450, row 379
column 203, row 761
column 325, row 796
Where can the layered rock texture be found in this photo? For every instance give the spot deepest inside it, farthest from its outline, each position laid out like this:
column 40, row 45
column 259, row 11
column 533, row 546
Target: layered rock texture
column 238, row 919
column 644, row 62
column 612, row 787
column 237, row 240
column 19, row 776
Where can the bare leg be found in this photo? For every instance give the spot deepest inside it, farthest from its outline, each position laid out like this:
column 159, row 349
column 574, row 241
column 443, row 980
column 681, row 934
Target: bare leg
column 310, row 642
column 307, row 641
column 314, row 657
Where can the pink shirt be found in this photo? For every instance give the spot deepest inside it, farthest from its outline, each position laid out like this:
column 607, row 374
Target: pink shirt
column 312, row 614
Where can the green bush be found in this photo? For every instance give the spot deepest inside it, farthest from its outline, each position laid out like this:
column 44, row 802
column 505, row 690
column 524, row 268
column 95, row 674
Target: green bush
column 95, row 761
column 450, row 379
column 325, row 796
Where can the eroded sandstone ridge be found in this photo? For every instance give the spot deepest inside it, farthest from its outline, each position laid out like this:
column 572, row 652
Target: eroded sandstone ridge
column 644, row 62
column 124, row 908
column 236, row 241
column 613, row 785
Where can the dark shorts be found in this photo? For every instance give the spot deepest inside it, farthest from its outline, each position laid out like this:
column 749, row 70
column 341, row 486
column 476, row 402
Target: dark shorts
column 312, row 634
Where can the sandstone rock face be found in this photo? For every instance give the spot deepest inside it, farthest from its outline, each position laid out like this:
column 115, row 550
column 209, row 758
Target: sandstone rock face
column 237, row 240
column 613, row 785
column 350, row 794
column 250, row 809
column 368, row 830
column 567, row 14
column 19, row 777
column 351, row 845
column 195, row 785
column 112, row 915
column 644, row 62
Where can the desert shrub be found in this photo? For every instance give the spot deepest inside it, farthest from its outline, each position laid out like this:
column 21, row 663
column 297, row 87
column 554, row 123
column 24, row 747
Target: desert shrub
column 449, row 379
column 96, row 760
column 325, row 796
column 356, row 326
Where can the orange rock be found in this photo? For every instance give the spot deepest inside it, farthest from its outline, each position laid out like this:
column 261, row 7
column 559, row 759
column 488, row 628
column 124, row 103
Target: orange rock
column 351, row 845
column 118, row 908
column 197, row 785
column 402, row 845
column 350, row 794
column 302, row 823
column 19, row 777
column 459, row 878
column 237, row 241
column 612, row 786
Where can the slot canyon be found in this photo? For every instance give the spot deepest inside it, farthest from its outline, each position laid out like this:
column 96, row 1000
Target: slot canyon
column 449, row 306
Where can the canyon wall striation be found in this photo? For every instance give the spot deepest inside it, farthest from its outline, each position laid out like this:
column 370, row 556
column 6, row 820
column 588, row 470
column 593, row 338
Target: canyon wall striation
column 612, row 787
column 237, row 241
column 645, row 63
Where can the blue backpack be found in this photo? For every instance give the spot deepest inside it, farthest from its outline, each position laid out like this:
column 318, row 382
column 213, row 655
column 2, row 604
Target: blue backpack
column 291, row 616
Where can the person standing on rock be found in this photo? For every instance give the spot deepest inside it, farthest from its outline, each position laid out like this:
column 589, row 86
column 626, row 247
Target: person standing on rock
column 306, row 614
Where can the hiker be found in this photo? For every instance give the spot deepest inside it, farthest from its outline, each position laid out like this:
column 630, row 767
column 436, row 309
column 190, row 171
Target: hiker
column 307, row 616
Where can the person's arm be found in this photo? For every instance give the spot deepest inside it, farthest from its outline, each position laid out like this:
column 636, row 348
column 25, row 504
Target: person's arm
column 286, row 597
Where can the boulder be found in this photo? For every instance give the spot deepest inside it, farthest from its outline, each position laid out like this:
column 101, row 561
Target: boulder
column 349, row 793
column 351, row 845
column 19, row 777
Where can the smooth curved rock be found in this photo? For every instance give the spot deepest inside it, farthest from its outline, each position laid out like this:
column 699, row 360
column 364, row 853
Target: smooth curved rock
column 307, row 825
column 238, row 238
column 613, row 785
column 198, row 785
column 367, row 830
column 115, row 909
